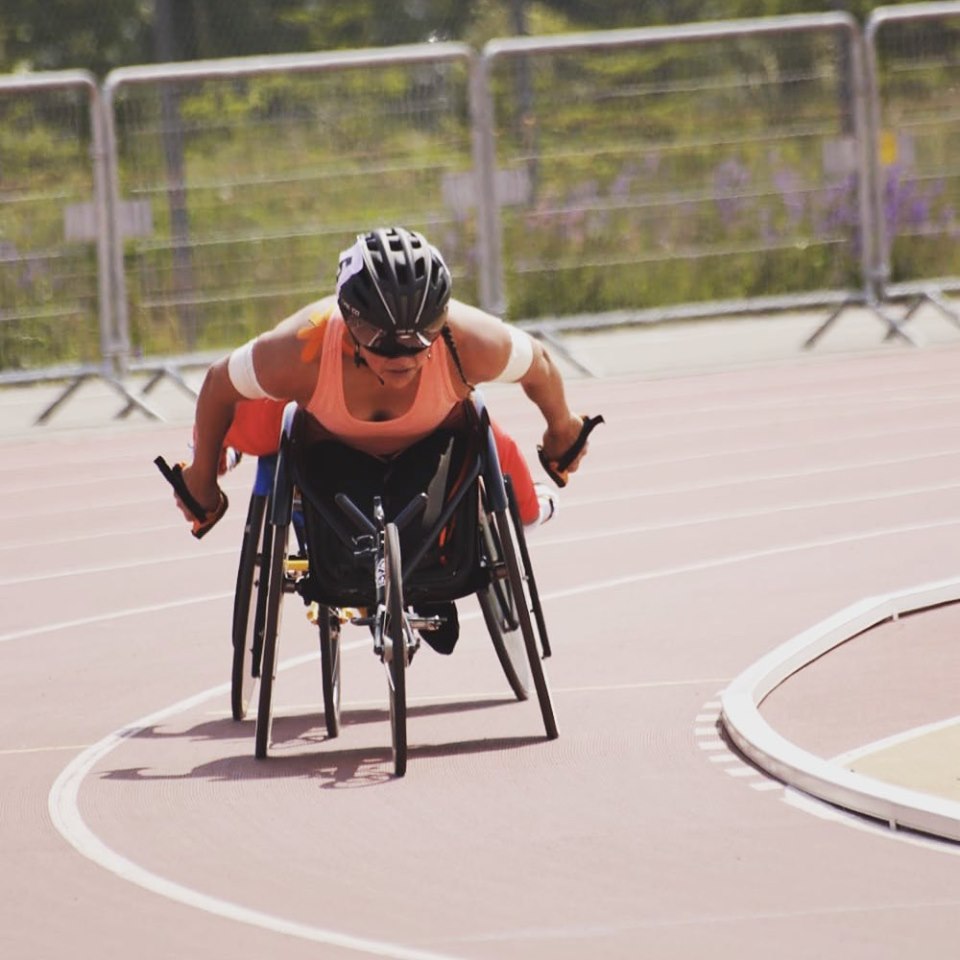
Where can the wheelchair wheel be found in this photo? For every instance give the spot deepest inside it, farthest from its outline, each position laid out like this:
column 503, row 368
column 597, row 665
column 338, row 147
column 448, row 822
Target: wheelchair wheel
column 247, row 625
column 500, row 616
column 397, row 640
column 276, row 537
column 519, row 579
column 329, row 625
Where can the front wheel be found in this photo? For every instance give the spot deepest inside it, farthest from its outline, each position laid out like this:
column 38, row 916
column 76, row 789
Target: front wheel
column 500, row 616
column 517, row 578
column 247, row 625
column 395, row 648
column 277, row 536
column 329, row 624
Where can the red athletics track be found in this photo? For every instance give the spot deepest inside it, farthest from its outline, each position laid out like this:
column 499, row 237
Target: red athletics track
column 717, row 516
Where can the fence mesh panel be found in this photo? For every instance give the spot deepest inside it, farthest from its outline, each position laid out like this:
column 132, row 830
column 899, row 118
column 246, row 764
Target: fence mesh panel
column 48, row 257
column 243, row 190
column 918, row 81
column 677, row 170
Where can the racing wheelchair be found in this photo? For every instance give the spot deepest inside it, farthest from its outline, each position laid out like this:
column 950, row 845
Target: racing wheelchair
column 384, row 545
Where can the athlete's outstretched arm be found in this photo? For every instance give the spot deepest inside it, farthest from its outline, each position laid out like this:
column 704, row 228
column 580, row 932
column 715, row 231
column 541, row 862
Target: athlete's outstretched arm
column 493, row 350
column 270, row 366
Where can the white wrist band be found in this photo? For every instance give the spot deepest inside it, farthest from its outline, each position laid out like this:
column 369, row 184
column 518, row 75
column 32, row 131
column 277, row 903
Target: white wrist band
column 521, row 356
column 242, row 374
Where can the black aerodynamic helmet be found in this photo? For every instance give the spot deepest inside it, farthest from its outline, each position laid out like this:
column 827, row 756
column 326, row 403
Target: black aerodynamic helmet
column 393, row 288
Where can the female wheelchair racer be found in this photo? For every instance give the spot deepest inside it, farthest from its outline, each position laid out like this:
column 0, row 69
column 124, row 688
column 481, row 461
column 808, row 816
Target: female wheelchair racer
column 380, row 366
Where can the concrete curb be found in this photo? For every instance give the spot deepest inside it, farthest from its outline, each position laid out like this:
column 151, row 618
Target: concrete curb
column 827, row 780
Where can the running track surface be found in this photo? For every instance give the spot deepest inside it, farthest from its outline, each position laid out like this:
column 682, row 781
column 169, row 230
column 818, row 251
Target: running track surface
column 716, row 517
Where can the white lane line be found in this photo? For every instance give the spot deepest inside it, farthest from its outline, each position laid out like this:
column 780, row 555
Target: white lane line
column 749, row 513
column 88, row 505
column 736, row 481
column 845, row 759
column 640, row 685
column 237, row 487
column 113, row 615
column 601, row 533
column 762, row 782
column 595, row 534
column 794, row 445
column 294, row 708
column 826, row 811
column 741, row 770
column 17, row 751
column 232, row 551
column 649, row 430
column 724, row 453
column 854, row 402
column 877, row 397
column 72, row 483
column 63, row 804
column 718, row 751
column 631, row 494
column 96, row 458
column 64, row 809
column 746, row 557
column 597, row 585
column 101, row 534
column 120, row 565
column 162, row 498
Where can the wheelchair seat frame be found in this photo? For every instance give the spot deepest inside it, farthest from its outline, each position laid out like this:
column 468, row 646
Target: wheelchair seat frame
column 497, row 570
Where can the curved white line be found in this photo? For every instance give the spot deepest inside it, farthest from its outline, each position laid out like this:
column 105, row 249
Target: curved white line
column 63, row 805
column 827, row 811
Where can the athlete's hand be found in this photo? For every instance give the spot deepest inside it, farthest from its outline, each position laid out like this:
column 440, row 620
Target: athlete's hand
column 559, row 438
column 564, row 448
column 206, row 492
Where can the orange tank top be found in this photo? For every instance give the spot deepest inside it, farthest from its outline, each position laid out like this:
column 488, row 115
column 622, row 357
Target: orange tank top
column 434, row 400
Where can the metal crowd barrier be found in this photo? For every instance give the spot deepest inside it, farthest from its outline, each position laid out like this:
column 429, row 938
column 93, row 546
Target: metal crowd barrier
column 913, row 71
column 574, row 182
column 56, row 319
column 245, row 178
column 911, row 74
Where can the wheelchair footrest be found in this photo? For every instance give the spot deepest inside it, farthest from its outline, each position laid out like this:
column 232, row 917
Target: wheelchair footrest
column 343, row 614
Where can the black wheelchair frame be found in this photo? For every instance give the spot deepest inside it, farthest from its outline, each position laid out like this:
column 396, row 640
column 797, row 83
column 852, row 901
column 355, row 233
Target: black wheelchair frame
column 499, row 573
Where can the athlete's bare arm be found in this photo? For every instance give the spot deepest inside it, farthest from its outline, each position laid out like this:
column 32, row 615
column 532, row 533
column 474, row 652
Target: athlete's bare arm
column 282, row 374
column 484, row 344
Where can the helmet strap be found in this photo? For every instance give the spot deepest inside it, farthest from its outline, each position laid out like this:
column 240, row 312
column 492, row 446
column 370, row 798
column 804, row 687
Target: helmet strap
column 358, row 360
column 447, row 335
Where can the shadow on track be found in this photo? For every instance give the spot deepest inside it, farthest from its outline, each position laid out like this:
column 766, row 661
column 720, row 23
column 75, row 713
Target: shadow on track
column 330, row 766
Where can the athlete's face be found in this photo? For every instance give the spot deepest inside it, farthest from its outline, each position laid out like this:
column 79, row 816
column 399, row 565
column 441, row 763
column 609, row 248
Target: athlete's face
column 395, row 372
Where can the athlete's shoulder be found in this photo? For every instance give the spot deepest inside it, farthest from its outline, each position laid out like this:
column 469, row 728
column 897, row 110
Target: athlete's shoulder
column 483, row 341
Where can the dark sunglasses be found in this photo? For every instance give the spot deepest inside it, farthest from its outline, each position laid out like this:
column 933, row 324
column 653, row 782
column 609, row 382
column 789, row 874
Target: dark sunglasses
column 394, row 344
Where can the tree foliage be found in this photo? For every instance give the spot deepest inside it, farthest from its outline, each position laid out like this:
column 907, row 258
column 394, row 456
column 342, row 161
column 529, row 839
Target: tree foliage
column 99, row 35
